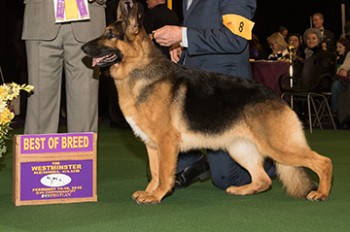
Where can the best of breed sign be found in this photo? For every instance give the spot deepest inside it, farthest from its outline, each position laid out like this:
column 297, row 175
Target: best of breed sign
column 54, row 168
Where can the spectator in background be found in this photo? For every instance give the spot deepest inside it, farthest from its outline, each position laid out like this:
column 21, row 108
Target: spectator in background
column 313, row 44
column 342, row 49
column 327, row 35
column 278, row 46
column 256, row 50
column 324, row 46
column 297, row 47
column 296, row 42
column 284, row 31
column 294, row 39
column 157, row 16
column 339, row 83
column 313, row 40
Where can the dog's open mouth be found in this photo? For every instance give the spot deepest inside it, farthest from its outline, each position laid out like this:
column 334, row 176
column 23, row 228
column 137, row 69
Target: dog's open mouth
column 105, row 60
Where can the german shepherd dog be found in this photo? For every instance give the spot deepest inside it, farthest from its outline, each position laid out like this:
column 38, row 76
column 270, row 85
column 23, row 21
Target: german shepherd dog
column 173, row 109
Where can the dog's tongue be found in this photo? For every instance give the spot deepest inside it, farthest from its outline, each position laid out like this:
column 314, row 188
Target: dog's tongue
column 95, row 61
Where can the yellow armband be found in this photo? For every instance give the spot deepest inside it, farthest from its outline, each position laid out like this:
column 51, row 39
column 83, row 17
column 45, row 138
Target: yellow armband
column 238, row 25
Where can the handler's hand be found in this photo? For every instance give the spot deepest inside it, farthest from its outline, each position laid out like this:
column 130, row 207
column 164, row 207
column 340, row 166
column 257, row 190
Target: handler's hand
column 168, row 35
column 342, row 72
column 175, row 53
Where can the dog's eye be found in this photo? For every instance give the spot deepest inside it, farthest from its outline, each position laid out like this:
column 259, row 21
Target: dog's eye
column 111, row 35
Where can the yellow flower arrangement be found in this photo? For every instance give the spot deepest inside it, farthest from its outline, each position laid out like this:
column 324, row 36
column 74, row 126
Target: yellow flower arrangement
column 8, row 92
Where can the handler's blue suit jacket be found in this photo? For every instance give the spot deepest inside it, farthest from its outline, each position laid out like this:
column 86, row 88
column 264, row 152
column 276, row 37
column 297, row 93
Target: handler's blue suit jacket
column 211, row 45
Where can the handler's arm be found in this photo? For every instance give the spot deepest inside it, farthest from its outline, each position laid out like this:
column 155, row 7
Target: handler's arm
column 231, row 37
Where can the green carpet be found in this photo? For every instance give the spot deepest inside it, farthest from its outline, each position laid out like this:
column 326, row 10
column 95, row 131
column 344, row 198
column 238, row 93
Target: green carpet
column 200, row 207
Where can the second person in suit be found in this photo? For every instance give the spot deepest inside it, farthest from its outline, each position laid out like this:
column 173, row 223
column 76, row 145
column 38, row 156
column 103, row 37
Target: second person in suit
column 53, row 47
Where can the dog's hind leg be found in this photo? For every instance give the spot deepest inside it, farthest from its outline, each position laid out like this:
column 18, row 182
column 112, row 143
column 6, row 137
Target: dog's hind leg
column 246, row 154
column 278, row 134
column 295, row 179
column 323, row 167
column 285, row 143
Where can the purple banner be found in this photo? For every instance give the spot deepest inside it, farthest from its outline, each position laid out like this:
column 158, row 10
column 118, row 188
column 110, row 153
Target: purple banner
column 52, row 143
column 56, row 179
column 82, row 8
column 60, row 9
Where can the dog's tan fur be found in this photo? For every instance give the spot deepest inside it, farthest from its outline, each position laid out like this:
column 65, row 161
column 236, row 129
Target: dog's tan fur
column 156, row 113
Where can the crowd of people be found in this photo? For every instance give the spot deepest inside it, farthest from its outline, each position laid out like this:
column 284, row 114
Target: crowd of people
column 298, row 47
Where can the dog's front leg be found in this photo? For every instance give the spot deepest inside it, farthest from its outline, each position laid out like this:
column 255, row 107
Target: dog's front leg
column 162, row 164
column 154, row 168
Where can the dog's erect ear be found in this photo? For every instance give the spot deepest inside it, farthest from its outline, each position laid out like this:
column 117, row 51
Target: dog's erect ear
column 131, row 12
column 123, row 9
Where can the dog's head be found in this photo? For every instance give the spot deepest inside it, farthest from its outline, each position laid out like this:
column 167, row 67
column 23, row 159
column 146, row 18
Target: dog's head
column 109, row 48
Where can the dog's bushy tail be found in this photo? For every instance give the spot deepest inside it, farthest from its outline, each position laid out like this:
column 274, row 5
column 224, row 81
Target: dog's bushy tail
column 295, row 180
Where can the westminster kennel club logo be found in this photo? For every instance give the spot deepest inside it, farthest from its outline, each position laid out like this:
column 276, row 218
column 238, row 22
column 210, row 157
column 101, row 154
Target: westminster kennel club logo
column 164, row 104
column 55, row 180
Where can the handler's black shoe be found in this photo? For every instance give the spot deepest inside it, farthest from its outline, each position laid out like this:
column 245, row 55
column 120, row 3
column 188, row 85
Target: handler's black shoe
column 199, row 170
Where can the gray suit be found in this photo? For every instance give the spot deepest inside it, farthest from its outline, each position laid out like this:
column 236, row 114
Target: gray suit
column 52, row 48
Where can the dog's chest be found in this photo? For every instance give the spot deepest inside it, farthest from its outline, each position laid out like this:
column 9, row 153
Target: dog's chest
column 137, row 130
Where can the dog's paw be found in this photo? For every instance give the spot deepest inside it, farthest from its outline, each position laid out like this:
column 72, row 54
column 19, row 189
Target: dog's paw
column 145, row 198
column 248, row 189
column 234, row 190
column 316, row 196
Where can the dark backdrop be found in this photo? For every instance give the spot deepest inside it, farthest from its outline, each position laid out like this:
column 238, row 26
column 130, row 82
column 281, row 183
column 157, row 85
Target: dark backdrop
column 295, row 15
